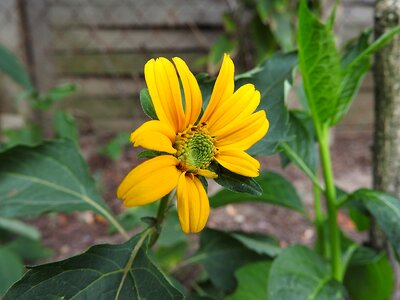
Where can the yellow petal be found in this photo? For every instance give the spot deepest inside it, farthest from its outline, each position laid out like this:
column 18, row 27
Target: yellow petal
column 192, row 91
column 243, row 134
column 154, row 135
column 193, row 205
column 163, row 84
column 149, row 181
column 240, row 105
column 238, row 162
column 207, row 173
column 223, row 88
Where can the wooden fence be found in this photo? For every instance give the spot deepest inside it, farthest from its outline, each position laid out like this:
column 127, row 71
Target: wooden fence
column 102, row 46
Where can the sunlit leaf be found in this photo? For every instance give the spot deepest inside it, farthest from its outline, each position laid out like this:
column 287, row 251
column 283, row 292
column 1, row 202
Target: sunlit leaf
column 319, row 64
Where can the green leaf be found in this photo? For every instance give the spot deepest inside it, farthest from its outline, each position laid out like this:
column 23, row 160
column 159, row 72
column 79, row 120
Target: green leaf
column 65, row 126
column 49, row 177
column 303, row 139
column 360, row 220
column 222, row 45
column 172, row 233
column 29, row 249
column 169, row 256
column 221, row 255
column 20, row 228
column 29, row 135
column 385, row 208
column 276, row 190
column 259, row 243
column 47, row 100
column 369, row 276
column 237, row 183
column 149, row 154
column 355, row 64
column 271, row 78
column 11, row 269
column 352, row 77
column 10, row 65
column 115, row 147
column 319, row 64
column 300, row 274
column 252, row 282
column 97, row 273
column 147, row 104
column 282, row 29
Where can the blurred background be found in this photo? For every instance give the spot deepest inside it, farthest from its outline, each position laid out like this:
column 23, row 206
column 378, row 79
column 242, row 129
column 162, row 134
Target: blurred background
column 102, row 46
column 85, row 61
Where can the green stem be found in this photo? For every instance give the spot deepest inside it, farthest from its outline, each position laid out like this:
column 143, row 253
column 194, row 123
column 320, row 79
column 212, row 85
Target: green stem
column 161, row 214
column 319, row 220
column 134, row 252
column 330, row 192
column 300, row 163
column 108, row 216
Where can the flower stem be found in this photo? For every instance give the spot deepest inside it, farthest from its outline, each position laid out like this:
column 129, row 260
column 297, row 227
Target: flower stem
column 330, row 192
column 161, row 214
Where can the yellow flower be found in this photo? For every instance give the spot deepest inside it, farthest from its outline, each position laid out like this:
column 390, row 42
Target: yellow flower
column 190, row 143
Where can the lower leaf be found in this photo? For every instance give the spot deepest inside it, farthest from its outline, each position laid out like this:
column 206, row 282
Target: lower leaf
column 300, row 274
column 102, row 272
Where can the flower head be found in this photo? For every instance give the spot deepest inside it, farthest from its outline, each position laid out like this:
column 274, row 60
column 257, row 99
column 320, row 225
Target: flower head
column 191, row 142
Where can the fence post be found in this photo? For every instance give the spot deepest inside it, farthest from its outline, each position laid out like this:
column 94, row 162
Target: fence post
column 35, row 32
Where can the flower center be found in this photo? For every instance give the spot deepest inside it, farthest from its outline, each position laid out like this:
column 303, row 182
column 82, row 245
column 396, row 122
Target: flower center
column 195, row 148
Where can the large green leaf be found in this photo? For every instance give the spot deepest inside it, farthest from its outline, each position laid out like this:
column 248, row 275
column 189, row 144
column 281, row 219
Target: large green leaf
column 271, row 78
column 10, row 65
column 11, row 269
column 385, row 208
column 221, row 255
column 276, row 190
column 320, row 65
column 102, row 272
column 300, row 274
column 252, row 282
column 369, row 276
column 49, row 177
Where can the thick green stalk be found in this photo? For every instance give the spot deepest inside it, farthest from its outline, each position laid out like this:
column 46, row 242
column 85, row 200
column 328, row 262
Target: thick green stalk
column 319, row 221
column 330, row 193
